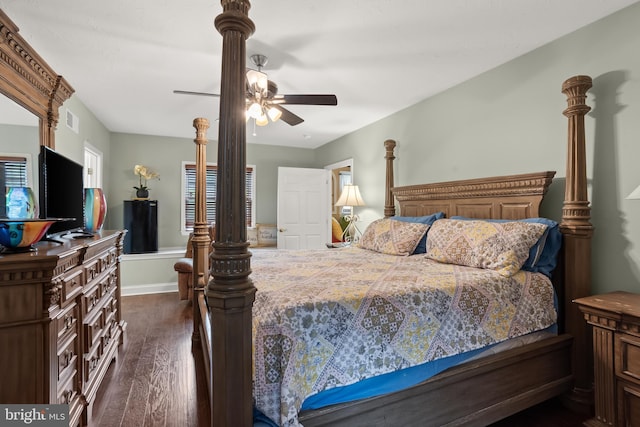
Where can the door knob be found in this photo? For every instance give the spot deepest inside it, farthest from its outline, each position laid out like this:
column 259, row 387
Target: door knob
column 282, row 230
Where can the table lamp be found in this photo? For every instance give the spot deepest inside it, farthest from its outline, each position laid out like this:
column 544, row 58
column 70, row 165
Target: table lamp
column 350, row 196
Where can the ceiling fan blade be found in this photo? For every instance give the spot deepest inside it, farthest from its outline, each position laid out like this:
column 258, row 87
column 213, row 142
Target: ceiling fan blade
column 306, row 99
column 288, row 117
column 187, row 92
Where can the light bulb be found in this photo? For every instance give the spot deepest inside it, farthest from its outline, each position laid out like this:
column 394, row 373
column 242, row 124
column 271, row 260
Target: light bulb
column 274, row 114
column 255, row 110
column 262, row 120
column 258, row 79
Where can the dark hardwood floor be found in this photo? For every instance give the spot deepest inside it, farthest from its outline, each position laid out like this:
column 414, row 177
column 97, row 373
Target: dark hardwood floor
column 154, row 383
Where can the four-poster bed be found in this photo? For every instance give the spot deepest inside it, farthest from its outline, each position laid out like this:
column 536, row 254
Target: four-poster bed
column 492, row 387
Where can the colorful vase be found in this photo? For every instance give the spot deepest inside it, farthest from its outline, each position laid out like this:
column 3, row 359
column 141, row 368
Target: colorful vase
column 95, row 209
column 21, row 203
column 21, row 234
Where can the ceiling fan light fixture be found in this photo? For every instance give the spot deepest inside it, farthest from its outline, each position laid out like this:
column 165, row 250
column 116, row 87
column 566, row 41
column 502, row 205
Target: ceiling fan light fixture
column 262, row 120
column 258, row 79
column 255, row 110
column 274, row 114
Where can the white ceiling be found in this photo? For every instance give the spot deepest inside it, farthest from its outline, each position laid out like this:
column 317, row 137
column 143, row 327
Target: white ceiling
column 125, row 57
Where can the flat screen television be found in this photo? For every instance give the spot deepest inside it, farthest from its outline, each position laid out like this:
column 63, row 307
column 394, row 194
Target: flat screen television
column 61, row 191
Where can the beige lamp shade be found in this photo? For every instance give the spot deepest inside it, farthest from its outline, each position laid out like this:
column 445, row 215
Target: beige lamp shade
column 635, row 194
column 350, row 196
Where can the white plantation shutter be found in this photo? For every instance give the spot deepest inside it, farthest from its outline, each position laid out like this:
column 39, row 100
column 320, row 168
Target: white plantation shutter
column 190, row 194
column 15, row 171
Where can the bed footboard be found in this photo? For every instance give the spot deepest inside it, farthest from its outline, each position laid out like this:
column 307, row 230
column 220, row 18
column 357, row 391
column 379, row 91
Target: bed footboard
column 476, row 392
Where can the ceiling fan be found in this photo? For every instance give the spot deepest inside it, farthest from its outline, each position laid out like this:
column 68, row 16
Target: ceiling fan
column 263, row 100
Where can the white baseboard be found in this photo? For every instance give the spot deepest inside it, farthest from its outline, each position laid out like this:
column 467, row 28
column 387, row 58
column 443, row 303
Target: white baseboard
column 149, row 288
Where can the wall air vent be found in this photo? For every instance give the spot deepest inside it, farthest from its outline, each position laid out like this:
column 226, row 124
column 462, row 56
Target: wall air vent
column 73, row 122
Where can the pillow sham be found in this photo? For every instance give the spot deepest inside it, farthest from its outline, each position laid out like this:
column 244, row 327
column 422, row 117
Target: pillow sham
column 427, row 219
column 502, row 247
column 543, row 256
column 392, row 237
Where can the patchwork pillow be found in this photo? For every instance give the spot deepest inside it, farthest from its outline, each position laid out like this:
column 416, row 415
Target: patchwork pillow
column 427, row 219
column 392, row 237
column 499, row 246
column 543, row 256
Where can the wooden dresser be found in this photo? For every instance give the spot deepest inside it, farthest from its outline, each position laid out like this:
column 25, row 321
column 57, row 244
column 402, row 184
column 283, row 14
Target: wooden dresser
column 615, row 318
column 60, row 321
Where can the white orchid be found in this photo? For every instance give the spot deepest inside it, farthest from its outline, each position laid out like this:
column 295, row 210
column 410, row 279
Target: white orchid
column 144, row 174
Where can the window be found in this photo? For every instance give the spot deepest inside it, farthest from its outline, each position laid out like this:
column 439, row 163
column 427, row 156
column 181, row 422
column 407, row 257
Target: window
column 16, row 169
column 189, row 195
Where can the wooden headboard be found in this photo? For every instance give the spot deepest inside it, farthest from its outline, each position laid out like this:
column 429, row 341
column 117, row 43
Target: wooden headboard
column 505, row 197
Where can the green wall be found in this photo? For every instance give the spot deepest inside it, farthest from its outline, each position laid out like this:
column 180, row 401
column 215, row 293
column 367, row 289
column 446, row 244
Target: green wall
column 165, row 156
column 509, row 120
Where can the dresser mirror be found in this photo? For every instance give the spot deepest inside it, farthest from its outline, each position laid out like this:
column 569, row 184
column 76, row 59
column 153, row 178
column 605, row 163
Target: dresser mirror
column 29, row 81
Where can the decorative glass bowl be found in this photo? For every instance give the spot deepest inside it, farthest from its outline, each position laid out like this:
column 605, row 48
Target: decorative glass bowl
column 20, row 234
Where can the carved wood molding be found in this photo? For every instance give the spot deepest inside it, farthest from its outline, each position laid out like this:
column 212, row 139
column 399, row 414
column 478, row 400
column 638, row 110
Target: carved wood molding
column 530, row 184
column 28, row 80
column 601, row 321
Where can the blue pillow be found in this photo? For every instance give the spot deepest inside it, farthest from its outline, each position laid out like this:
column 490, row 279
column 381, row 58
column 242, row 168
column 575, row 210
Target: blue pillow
column 427, row 219
column 543, row 255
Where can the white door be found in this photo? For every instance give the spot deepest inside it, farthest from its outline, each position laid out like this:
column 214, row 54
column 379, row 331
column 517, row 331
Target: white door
column 92, row 166
column 304, row 208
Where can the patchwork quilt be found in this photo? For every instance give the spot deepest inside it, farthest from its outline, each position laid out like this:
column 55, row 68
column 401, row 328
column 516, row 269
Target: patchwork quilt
column 333, row 317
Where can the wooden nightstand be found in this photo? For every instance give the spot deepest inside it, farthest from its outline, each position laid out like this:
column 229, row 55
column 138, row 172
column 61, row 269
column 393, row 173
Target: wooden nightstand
column 615, row 318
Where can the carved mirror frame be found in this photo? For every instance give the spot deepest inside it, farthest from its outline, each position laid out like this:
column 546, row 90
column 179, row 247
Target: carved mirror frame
column 29, row 81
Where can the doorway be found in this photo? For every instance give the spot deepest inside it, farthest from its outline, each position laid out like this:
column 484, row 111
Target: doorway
column 341, row 174
column 92, row 166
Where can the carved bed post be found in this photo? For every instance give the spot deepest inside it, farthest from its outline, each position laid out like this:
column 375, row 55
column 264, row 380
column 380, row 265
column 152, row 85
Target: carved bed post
column 200, row 240
column 389, row 204
column 230, row 292
column 577, row 231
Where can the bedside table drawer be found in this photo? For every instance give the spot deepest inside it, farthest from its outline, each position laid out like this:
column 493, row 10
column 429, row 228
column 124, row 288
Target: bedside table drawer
column 628, row 358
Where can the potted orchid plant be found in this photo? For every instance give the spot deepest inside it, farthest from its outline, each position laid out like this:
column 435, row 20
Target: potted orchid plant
column 144, row 175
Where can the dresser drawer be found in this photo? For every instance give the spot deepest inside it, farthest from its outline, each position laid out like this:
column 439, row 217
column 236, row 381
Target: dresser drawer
column 91, row 271
column 108, row 259
column 68, row 391
column 627, row 350
column 71, row 285
column 67, row 358
column 67, row 322
column 92, row 362
column 109, row 282
column 109, row 310
column 93, row 326
column 628, row 404
column 94, row 268
column 90, row 299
